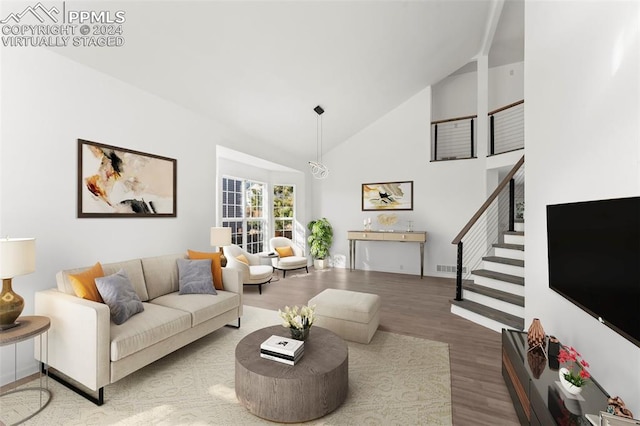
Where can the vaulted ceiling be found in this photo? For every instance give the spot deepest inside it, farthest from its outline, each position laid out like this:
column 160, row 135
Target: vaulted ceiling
column 262, row 66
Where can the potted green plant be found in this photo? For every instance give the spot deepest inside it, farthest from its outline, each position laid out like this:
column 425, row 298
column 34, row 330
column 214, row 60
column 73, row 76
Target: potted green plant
column 320, row 240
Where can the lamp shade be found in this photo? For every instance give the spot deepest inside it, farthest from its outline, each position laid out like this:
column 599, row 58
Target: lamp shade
column 17, row 256
column 220, row 236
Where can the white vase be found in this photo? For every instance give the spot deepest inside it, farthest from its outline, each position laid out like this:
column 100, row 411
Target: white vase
column 320, row 263
column 568, row 386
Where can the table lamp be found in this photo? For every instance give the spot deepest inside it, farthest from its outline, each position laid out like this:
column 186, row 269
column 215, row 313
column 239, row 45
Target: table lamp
column 221, row 237
column 17, row 257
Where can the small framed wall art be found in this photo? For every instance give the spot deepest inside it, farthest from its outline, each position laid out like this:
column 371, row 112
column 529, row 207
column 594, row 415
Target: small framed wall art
column 387, row 196
column 119, row 182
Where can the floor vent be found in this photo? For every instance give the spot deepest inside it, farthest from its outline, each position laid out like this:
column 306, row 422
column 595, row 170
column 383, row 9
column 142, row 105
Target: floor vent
column 450, row 268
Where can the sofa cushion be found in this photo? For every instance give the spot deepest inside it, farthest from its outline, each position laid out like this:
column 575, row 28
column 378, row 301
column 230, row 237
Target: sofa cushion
column 201, row 307
column 161, row 274
column 149, row 327
column 133, row 268
column 195, row 276
column 216, row 265
column 118, row 293
column 84, row 284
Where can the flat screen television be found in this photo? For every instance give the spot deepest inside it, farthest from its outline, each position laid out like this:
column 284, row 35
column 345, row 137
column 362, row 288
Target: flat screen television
column 594, row 260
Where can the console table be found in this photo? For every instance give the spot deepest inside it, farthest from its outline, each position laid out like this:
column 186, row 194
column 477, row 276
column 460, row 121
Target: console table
column 419, row 237
column 533, row 382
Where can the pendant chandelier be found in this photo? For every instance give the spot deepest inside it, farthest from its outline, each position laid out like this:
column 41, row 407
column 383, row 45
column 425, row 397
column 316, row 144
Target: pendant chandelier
column 318, row 170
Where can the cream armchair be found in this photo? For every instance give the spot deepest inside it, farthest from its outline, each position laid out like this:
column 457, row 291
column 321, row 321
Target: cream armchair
column 253, row 272
column 288, row 262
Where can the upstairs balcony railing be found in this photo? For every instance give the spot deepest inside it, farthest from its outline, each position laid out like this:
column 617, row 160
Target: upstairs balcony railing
column 487, row 226
column 506, row 128
column 454, row 138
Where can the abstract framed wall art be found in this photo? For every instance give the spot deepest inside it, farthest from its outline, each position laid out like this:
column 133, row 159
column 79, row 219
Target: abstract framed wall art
column 119, row 182
column 387, row 196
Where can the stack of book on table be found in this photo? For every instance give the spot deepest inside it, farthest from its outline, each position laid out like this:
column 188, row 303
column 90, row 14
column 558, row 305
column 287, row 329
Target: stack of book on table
column 282, row 349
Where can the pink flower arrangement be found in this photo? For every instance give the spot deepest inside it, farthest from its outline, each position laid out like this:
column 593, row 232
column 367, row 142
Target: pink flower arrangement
column 572, row 357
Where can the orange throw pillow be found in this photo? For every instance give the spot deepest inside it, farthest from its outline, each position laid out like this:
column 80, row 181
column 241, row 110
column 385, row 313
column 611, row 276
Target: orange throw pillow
column 284, row 251
column 242, row 258
column 216, row 267
column 84, row 284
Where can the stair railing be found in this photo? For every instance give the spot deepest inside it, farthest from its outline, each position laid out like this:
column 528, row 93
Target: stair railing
column 486, row 226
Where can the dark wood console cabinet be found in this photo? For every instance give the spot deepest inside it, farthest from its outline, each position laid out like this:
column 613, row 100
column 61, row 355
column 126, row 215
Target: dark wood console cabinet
column 533, row 382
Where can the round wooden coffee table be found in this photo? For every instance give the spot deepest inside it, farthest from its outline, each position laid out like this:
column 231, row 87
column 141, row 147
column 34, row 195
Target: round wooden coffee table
column 312, row 388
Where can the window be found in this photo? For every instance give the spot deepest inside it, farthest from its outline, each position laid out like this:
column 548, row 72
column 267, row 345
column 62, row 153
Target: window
column 243, row 212
column 283, row 210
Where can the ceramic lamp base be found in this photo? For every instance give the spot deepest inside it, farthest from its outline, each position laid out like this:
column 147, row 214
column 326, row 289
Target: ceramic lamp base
column 11, row 305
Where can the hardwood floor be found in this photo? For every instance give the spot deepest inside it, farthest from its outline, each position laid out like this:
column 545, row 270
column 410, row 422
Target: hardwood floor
column 417, row 307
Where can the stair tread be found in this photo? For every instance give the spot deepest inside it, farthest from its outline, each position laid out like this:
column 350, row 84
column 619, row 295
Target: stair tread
column 504, row 296
column 504, row 260
column 494, row 314
column 509, row 246
column 520, row 233
column 513, row 279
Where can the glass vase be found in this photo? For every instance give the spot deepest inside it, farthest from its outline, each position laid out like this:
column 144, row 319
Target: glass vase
column 299, row 334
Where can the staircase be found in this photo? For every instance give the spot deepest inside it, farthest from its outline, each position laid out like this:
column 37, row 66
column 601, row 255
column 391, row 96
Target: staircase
column 494, row 295
column 490, row 261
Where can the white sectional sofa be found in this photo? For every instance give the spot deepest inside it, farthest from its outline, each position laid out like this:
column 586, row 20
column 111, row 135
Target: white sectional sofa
column 88, row 348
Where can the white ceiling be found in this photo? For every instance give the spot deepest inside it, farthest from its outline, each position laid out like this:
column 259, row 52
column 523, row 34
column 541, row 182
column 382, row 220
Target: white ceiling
column 262, row 66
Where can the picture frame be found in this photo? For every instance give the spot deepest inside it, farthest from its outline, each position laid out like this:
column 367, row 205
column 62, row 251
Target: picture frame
column 116, row 182
column 387, row 196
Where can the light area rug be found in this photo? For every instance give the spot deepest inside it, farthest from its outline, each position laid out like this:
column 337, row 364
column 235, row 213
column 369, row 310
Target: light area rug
column 394, row 380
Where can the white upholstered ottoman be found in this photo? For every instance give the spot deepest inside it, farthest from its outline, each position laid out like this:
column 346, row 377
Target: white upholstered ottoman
column 351, row 315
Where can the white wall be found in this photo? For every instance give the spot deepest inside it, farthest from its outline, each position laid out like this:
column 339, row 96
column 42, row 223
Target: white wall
column 396, row 148
column 456, row 96
column 506, row 85
column 48, row 102
column 582, row 116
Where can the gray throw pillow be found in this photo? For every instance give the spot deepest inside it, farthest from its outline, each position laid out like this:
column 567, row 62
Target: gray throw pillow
column 118, row 293
column 195, row 277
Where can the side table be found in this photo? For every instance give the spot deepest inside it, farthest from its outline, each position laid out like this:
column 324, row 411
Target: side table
column 30, row 327
column 266, row 258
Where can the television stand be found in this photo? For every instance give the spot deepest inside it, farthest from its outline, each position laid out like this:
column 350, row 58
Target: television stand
column 534, row 386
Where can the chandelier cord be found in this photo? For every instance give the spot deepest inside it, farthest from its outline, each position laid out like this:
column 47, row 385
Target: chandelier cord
column 318, row 170
column 320, row 121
